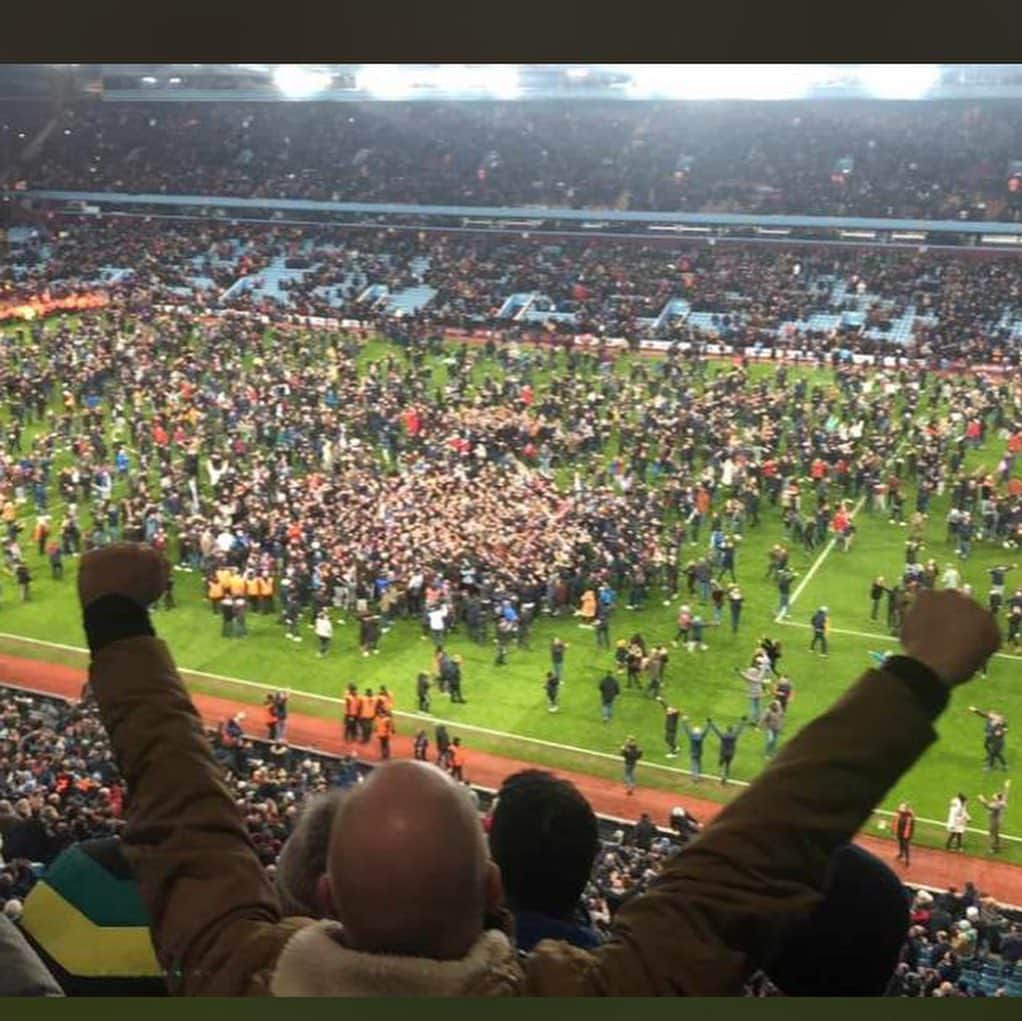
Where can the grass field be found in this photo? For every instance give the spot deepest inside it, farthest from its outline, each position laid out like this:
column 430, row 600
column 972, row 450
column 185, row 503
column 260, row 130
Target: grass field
column 508, row 702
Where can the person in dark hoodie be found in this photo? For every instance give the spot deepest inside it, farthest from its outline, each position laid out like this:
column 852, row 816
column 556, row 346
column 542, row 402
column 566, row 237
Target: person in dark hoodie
column 443, row 743
column 422, row 687
column 544, row 837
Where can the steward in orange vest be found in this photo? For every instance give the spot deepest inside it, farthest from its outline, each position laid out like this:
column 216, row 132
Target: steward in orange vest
column 456, row 760
column 270, row 717
column 366, row 715
column 351, row 707
column 385, row 730
column 215, row 592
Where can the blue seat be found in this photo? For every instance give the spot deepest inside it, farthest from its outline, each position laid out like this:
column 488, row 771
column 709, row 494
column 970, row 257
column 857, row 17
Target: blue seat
column 989, row 984
column 1013, row 987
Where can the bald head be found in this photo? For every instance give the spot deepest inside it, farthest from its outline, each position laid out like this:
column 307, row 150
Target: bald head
column 408, row 868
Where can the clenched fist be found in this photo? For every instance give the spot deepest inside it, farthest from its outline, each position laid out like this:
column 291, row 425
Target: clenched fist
column 951, row 634
column 123, row 569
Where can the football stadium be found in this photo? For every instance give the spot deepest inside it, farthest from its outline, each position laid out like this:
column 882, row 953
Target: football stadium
column 577, row 506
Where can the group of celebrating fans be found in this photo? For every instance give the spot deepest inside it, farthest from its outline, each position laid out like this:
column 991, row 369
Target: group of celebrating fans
column 304, row 481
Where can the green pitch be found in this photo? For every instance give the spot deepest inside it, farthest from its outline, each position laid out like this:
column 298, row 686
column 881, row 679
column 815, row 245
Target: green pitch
column 508, row 706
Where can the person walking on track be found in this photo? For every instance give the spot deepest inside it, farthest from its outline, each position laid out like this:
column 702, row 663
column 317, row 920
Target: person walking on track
column 958, row 819
column 995, row 807
column 630, row 754
column 904, row 830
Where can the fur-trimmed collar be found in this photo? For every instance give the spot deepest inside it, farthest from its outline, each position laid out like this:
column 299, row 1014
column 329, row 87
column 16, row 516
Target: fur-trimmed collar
column 315, row 962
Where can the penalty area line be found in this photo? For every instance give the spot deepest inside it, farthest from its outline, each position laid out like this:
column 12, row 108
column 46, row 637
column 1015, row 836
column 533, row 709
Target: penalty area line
column 872, row 636
column 815, row 566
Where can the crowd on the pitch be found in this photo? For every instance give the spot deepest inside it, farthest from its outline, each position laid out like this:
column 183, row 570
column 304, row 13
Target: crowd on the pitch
column 295, row 460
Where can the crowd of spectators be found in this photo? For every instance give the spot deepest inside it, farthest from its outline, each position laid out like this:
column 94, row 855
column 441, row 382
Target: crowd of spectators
column 960, row 307
column 960, row 943
column 933, row 160
column 59, row 787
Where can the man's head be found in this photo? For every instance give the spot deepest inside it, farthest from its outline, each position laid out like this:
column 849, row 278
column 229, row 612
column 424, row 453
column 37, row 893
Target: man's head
column 863, row 917
column 407, row 868
column 544, row 837
column 303, row 860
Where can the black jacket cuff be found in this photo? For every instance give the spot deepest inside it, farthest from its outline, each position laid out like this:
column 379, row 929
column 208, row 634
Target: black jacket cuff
column 929, row 689
column 112, row 618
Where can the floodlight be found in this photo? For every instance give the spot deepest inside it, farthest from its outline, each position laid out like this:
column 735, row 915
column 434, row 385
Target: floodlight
column 899, row 81
column 385, row 81
column 502, row 81
column 659, row 80
column 498, row 80
column 723, row 81
column 776, row 81
column 299, row 82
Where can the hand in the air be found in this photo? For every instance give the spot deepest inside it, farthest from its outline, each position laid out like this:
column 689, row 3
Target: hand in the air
column 124, row 569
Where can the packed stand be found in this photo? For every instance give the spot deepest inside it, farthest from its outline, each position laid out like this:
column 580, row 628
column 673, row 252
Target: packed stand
column 960, row 944
column 929, row 160
column 59, row 789
column 567, row 874
column 933, row 306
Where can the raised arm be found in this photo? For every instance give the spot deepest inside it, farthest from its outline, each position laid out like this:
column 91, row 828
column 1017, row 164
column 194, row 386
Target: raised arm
column 214, row 913
column 760, row 867
column 713, row 728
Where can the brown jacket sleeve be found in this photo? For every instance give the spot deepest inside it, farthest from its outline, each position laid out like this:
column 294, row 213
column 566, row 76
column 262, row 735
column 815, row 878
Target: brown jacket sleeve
column 724, row 903
column 216, row 923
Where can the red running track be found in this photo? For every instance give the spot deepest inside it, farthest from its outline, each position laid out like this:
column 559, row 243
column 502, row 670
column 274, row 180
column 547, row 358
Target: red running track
column 930, row 867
